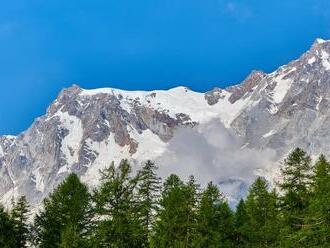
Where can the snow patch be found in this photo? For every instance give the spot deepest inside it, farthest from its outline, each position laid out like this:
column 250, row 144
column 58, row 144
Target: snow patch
column 40, row 186
column 148, row 141
column 244, row 146
column 325, row 60
column 321, row 41
column 273, row 109
column 319, row 100
column 326, row 64
column 63, row 169
column 270, row 133
column 179, row 100
column 1, row 152
column 281, row 89
column 291, row 70
column 108, row 150
column 72, row 141
column 311, row 60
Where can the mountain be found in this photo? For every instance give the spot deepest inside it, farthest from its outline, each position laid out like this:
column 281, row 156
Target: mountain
column 227, row 135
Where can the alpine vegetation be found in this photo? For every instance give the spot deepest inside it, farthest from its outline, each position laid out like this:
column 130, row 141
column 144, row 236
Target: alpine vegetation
column 138, row 209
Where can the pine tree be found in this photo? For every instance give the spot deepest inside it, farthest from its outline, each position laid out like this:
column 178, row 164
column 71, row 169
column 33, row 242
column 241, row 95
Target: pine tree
column 67, row 208
column 70, row 238
column 118, row 209
column 316, row 229
column 192, row 189
column 19, row 215
column 321, row 190
column 215, row 220
column 176, row 222
column 297, row 175
column 148, row 196
column 226, row 225
column 261, row 207
column 7, row 231
column 241, row 224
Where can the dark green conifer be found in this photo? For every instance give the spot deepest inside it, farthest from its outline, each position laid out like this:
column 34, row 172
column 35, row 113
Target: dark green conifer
column 7, row 231
column 117, row 208
column 263, row 222
column 148, row 196
column 297, row 175
column 19, row 215
column 215, row 222
column 175, row 226
column 67, row 208
column 241, row 224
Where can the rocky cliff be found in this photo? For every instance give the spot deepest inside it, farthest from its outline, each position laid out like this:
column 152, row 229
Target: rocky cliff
column 84, row 130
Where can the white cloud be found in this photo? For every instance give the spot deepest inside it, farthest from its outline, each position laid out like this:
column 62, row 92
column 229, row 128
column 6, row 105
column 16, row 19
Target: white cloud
column 213, row 153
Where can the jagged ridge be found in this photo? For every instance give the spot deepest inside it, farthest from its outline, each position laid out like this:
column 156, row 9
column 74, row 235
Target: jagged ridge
column 84, row 130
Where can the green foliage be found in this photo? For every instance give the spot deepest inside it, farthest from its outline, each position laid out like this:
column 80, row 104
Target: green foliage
column 7, row 230
column 215, row 220
column 133, row 210
column 176, row 222
column 117, row 206
column 19, row 215
column 315, row 230
column 66, row 210
column 148, row 196
column 297, row 176
column 261, row 207
column 241, row 224
column 71, row 238
column 320, row 203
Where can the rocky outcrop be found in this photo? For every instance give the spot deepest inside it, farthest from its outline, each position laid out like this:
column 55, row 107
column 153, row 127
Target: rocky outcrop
column 84, row 130
column 63, row 140
column 238, row 91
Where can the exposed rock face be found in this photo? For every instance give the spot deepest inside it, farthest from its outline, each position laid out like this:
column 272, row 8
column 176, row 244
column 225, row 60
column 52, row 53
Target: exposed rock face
column 246, row 86
column 212, row 97
column 84, row 130
column 64, row 139
column 293, row 105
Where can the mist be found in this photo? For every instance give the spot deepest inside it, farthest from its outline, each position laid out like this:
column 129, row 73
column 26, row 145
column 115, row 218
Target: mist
column 212, row 152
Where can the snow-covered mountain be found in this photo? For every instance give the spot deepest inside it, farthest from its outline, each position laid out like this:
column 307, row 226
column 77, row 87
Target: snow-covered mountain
column 227, row 135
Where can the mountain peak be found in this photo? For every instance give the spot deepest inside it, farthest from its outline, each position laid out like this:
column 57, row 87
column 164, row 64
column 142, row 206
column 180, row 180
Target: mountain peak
column 252, row 80
column 69, row 92
column 320, row 44
column 86, row 129
column 321, row 41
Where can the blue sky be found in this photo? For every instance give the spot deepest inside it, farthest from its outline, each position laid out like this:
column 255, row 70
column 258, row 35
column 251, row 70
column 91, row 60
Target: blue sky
column 145, row 44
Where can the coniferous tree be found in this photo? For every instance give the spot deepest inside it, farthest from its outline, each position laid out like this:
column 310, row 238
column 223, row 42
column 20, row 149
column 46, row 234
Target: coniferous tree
column 321, row 190
column 66, row 210
column 148, row 196
column 19, row 215
column 241, row 224
column 192, row 194
column 70, row 238
column 118, row 209
column 297, row 175
column 261, row 206
column 316, row 229
column 175, row 223
column 214, row 220
column 7, row 231
column 128, row 211
column 226, row 227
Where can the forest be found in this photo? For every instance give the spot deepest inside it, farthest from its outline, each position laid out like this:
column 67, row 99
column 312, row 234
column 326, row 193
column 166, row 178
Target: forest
column 139, row 209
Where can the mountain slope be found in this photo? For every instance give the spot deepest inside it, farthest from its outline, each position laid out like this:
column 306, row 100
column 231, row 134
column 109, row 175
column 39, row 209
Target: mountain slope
column 257, row 121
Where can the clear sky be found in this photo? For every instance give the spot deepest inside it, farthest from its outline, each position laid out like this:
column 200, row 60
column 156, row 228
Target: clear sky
column 143, row 44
